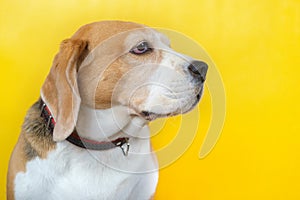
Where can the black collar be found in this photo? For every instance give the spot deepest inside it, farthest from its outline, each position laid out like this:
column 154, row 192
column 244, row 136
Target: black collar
column 85, row 143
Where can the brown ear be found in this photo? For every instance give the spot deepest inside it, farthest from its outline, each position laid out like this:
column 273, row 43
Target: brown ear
column 60, row 90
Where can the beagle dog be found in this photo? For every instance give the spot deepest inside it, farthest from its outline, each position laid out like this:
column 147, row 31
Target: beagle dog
column 87, row 136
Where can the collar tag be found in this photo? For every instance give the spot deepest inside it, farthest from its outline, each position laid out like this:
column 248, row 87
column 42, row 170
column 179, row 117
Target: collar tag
column 124, row 147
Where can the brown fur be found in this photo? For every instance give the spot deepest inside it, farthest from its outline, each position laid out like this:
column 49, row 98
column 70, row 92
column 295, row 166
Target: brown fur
column 113, row 73
column 17, row 164
column 97, row 32
column 60, row 90
column 38, row 138
column 35, row 140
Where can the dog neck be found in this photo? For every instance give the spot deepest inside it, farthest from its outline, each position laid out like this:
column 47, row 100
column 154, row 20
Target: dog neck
column 109, row 124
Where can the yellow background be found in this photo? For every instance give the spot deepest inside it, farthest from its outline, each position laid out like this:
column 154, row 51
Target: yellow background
column 255, row 45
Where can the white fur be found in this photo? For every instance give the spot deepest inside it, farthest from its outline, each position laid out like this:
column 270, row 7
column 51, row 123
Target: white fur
column 109, row 124
column 70, row 172
column 171, row 89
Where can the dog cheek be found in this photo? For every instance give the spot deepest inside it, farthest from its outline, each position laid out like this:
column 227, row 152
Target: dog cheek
column 132, row 98
column 138, row 100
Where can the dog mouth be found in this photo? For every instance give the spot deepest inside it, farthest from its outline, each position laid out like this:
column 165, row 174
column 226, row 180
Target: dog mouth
column 149, row 115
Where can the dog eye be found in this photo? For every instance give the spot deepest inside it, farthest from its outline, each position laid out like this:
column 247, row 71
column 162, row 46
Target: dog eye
column 141, row 48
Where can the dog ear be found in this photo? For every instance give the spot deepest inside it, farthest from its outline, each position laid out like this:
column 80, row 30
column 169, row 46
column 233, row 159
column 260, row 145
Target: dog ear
column 60, row 90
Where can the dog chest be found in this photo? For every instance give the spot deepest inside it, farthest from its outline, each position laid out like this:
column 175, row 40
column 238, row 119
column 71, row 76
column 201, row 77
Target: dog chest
column 70, row 173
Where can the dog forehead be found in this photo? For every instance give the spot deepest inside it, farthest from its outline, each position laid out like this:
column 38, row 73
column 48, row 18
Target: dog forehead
column 97, row 32
column 155, row 38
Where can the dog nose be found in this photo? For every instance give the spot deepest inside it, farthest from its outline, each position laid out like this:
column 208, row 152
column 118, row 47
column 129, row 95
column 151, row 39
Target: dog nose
column 198, row 69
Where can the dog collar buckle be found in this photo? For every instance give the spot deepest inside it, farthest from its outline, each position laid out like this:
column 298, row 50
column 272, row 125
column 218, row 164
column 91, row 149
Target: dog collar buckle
column 124, row 145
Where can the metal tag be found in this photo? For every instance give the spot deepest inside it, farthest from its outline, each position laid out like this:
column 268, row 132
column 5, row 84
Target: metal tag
column 125, row 148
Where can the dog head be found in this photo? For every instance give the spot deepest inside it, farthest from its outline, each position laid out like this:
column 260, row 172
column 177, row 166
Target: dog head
column 113, row 63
